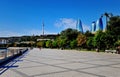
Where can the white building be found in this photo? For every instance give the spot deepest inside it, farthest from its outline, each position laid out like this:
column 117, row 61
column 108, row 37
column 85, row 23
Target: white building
column 4, row 40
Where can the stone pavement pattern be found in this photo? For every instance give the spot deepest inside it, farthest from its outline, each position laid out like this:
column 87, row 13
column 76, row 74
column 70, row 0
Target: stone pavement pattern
column 63, row 63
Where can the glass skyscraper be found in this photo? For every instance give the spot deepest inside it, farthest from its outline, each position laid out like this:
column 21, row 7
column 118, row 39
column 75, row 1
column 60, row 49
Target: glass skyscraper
column 79, row 26
column 99, row 24
column 93, row 27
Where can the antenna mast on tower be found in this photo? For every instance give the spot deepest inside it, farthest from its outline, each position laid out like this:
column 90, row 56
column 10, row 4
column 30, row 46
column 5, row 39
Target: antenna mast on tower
column 43, row 28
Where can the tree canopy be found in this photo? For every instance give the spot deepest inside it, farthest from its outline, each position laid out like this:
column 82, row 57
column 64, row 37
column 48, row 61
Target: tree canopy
column 114, row 26
column 69, row 34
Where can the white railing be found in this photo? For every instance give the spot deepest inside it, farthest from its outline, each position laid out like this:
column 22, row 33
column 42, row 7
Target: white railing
column 11, row 52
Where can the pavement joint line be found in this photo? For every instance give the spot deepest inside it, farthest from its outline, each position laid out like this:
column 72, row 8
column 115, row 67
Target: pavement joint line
column 78, row 70
column 103, row 60
column 51, row 58
column 20, row 73
column 92, row 74
column 85, row 63
column 31, row 66
column 98, row 64
column 69, row 69
column 63, row 60
column 91, row 61
column 81, row 61
column 49, row 73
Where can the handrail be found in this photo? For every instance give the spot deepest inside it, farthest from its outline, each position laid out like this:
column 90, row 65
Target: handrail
column 11, row 52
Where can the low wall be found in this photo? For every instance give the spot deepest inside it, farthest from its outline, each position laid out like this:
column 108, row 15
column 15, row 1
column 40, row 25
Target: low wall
column 112, row 51
column 11, row 53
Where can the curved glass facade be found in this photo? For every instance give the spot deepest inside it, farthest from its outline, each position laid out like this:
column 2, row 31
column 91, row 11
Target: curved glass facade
column 99, row 24
column 93, row 26
column 79, row 26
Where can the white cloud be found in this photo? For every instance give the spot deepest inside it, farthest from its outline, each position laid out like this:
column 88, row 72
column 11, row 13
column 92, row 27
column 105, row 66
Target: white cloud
column 69, row 23
column 66, row 23
column 86, row 27
column 62, row 23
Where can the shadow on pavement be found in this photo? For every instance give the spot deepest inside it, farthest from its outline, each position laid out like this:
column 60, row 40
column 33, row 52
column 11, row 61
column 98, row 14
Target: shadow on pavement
column 10, row 63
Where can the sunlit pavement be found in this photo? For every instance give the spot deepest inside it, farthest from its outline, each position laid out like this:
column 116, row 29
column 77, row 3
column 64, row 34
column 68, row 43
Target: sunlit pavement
column 63, row 63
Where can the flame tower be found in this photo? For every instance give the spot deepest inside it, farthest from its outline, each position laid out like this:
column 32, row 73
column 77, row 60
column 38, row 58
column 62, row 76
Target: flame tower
column 79, row 26
column 93, row 27
column 99, row 24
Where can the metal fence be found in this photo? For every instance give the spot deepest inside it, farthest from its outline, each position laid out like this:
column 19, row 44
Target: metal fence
column 11, row 52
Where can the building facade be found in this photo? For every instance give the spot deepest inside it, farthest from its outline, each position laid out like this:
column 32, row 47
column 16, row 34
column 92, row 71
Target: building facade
column 79, row 26
column 4, row 40
column 99, row 24
column 93, row 27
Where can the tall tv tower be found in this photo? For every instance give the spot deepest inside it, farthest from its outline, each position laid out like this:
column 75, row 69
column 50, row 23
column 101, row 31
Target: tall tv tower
column 43, row 28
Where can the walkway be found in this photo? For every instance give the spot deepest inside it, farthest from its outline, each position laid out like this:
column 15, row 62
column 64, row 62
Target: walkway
column 63, row 63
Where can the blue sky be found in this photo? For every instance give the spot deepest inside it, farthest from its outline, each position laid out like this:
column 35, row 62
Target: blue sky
column 25, row 17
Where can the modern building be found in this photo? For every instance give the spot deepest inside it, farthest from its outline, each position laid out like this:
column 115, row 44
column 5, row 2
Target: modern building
column 99, row 24
column 93, row 29
column 79, row 26
column 8, row 40
column 4, row 40
column 48, row 37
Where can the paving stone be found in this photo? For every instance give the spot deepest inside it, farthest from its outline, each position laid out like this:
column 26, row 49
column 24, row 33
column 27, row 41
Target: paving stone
column 68, row 74
column 63, row 63
column 104, row 71
column 75, row 65
column 40, row 70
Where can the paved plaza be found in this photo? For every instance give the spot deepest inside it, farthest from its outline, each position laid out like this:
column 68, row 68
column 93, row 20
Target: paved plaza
column 62, row 63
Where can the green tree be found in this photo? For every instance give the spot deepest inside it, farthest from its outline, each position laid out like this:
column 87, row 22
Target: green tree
column 58, row 39
column 112, row 32
column 54, row 44
column 49, row 44
column 62, row 43
column 73, row 44
column 117, row 43
column 66, row 36
column 114, row 26
column 69, row 34
column 89, row 43
column 109, row 39
column 88, row 34
column 99, row 40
